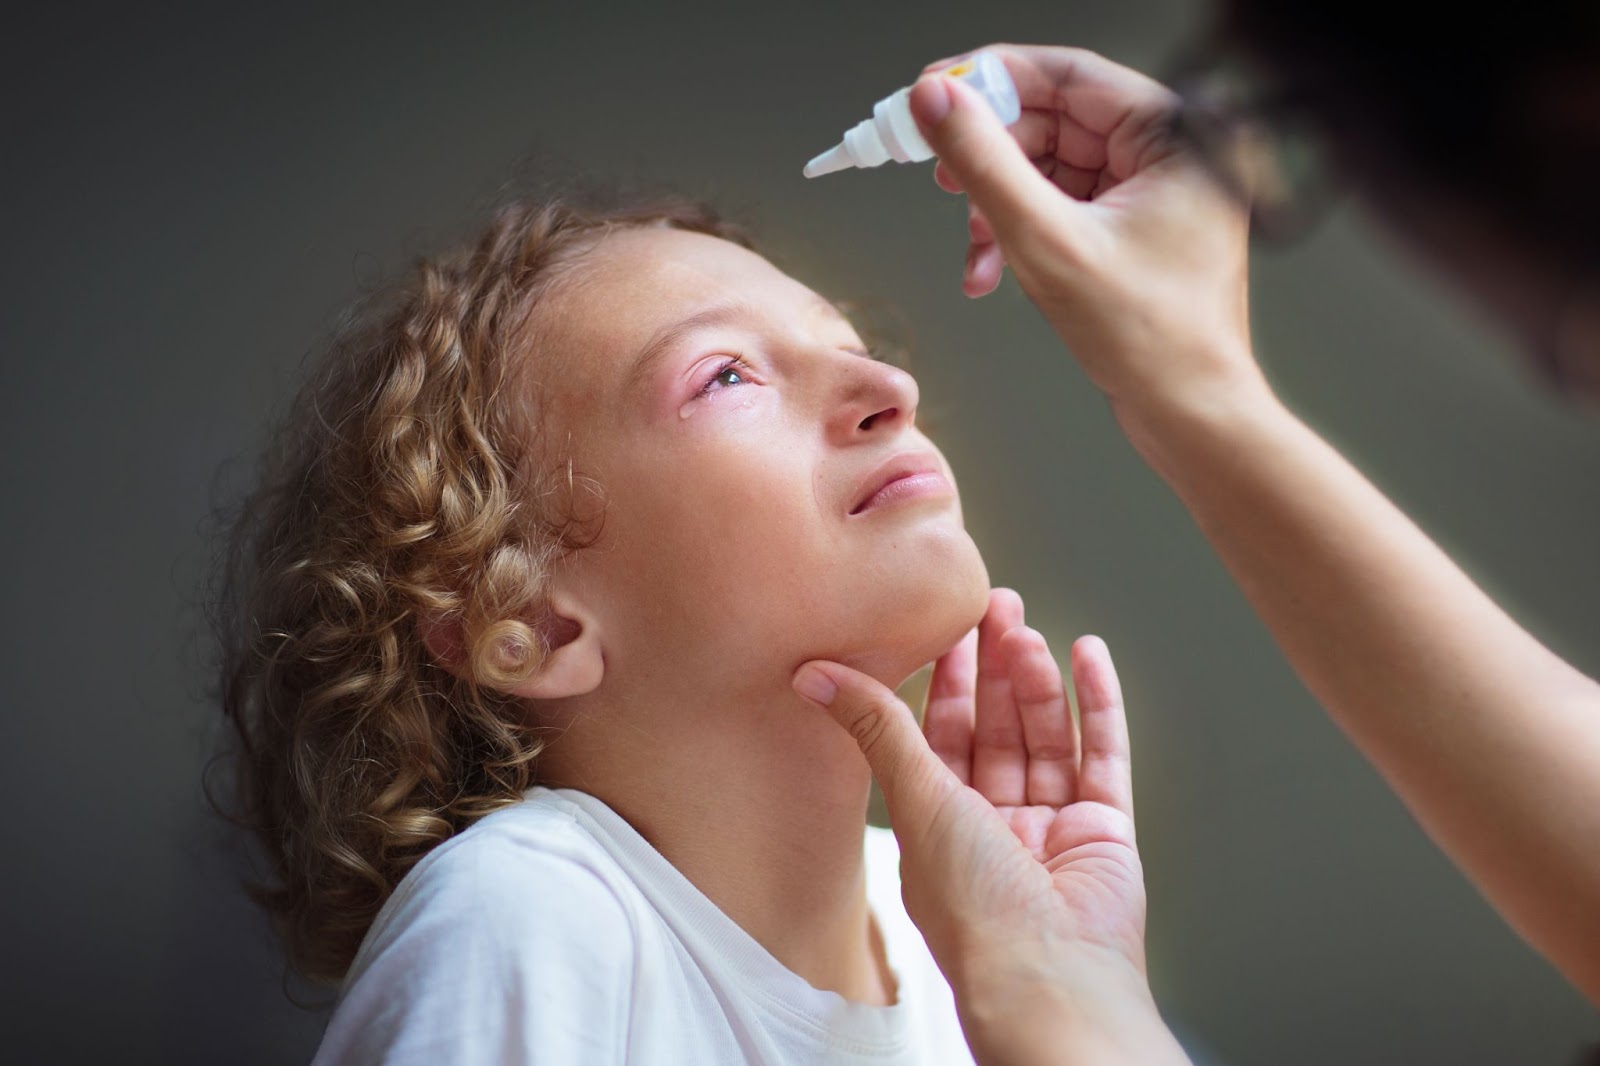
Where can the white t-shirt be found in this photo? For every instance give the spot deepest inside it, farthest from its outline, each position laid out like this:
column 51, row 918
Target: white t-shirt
column 551, row 932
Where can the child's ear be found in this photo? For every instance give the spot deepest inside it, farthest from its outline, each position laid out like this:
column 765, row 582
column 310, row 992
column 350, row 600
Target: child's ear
column 573, row 666
column 575, row 662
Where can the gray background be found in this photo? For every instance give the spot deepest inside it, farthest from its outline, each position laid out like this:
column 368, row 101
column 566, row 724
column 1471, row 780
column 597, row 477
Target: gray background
column 193, row 197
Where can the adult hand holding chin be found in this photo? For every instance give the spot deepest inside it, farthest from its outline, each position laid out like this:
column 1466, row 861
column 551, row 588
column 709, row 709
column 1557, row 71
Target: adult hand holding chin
column 1018, row 860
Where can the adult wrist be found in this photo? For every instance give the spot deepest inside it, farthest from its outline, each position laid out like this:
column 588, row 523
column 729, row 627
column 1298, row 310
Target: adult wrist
column 1201, row 423
column 1078, row 1006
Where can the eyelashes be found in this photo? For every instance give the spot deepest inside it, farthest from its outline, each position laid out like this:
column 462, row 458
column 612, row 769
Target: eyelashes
column 734, row 364
column 737, row 363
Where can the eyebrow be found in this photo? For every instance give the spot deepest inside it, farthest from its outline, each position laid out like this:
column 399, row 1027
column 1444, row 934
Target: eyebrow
column 670, row 336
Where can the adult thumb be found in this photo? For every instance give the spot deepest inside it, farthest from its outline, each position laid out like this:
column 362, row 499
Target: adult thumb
column 913, row 779
column 982, row 155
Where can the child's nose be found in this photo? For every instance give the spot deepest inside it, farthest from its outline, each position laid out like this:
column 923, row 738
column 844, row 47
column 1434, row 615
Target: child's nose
column 874, row 396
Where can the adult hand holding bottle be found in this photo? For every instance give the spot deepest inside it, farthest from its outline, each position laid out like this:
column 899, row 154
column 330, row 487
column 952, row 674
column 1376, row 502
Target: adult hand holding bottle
column 1121, row 237
column 1116, row 232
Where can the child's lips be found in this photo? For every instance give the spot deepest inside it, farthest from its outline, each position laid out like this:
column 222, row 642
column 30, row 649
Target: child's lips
column 895, row 467
column 911, row 486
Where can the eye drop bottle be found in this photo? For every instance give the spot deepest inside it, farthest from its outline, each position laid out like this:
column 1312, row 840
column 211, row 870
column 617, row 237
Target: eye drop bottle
column 891, row 132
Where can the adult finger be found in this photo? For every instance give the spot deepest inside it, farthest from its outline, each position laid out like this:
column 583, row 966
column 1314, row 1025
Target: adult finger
column 1100, row 94
column 949, row 61
column 978, row 229
column 1130, row 111
column 1046, row 717
column 944, row 179
column 981, row 155
column 999, row 756
column 947, row 719
column 985, row 260
column 1043, row 134
column 984, row 266
column 1076, row 182
column 914, row 781
column 1106, row 772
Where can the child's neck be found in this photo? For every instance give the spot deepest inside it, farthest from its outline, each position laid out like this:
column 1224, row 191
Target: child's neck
column 762, row 810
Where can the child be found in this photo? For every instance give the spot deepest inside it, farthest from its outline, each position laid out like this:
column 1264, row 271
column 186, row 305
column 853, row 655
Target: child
column 515, row 614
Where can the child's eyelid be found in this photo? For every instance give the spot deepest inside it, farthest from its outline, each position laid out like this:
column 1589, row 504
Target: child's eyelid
column 720, row 365
column 713, row 363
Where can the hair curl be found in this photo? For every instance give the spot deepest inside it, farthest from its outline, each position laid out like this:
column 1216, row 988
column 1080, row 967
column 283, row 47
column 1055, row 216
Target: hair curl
column 400, row 493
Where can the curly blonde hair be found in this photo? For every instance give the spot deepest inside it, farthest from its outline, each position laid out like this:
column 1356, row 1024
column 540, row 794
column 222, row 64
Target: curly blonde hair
column 402, row 492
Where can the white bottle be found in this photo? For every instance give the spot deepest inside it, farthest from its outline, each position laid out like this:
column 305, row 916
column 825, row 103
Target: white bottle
column 891, row 132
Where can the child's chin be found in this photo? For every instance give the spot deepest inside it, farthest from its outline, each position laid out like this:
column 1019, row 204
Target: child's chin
column 940, row 613
column 965, row 609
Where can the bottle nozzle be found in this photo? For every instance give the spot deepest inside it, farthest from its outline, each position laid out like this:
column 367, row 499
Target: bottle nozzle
column 891, row 132
column 835, row 158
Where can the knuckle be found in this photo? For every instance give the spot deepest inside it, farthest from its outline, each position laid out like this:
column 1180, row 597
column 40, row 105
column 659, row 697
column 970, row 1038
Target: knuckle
column 870, row 724
column 1082, row 54
column 1040, row 696
column 998, row 736
column 1114, row 759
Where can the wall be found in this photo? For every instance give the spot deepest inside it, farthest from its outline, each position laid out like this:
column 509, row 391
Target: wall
column 195, row 196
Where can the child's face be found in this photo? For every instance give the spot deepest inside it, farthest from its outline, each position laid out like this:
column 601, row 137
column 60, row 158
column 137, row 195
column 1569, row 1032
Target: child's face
column 729, row 552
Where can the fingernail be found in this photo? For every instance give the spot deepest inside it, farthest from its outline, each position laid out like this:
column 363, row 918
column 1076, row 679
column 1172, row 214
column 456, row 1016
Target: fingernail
column 930, row 99
column 814, row 685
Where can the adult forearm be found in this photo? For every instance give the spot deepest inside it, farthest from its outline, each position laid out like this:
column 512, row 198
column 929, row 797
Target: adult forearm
column 1491, row 740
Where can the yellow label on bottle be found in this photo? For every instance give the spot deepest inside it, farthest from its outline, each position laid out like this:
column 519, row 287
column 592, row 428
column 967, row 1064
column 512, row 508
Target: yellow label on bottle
column 960, row 70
